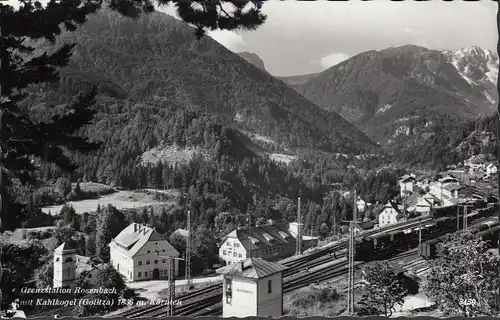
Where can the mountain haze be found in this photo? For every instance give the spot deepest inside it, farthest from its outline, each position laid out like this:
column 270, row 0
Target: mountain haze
column 382, row 91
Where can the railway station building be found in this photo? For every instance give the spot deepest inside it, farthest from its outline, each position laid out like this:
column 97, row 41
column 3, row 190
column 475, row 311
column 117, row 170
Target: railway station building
column 270, row 242
column 252, row 287
column 142, row 253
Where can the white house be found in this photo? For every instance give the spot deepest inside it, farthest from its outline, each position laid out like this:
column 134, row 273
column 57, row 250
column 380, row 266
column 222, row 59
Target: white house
column 361, row 205
column 252, row 288
column 269, row 242
column 475, row 163
column 491, row 169
column 389, row 214
column 142, row 253
column 406, row 184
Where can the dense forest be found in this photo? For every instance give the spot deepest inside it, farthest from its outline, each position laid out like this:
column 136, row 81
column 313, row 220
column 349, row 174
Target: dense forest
column 445, row 141
column 203, row 104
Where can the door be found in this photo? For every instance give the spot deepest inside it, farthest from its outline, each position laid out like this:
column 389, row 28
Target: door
column 156, row 273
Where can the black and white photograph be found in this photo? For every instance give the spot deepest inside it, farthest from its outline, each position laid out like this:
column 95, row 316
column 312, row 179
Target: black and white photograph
column 249, row 158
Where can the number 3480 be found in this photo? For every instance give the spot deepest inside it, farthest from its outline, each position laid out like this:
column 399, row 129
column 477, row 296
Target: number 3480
column 468, row 302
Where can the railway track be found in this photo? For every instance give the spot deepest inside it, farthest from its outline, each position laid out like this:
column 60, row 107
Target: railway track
column 206, row 301
column 336, row 269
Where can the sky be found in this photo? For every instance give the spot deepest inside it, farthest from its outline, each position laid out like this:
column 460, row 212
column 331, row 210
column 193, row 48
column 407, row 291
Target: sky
column 302, row 37
column 311, row 36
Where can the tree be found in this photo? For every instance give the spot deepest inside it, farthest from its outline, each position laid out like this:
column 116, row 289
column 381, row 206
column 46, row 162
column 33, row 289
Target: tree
column 103, row 236
column 102, row 276
column 383, row 290
column 23, row 140
column 464, row 278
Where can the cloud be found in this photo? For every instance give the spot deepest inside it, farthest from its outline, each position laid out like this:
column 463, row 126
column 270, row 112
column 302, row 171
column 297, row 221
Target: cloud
column 332, row 59
column 228, row 39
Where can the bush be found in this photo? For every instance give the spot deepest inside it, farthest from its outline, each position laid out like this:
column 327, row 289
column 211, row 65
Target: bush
column 316, row 300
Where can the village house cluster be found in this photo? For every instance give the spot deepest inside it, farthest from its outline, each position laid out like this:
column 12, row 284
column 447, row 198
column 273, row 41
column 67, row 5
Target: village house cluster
column 420, row 194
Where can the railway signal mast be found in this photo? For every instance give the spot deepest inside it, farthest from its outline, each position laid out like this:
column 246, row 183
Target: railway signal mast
column 350, row 248
column 299, row 230
column 189, row 281
column 171, row 282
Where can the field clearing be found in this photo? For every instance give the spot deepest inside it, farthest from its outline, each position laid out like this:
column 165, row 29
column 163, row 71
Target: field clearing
column 283, row 158
column 120, row 200
column 16, row 237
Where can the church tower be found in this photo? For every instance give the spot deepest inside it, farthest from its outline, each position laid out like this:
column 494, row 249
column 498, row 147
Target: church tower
column 65, row 266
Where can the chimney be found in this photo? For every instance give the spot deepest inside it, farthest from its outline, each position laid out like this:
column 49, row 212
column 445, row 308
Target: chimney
column 241, row 265
column 135, row 227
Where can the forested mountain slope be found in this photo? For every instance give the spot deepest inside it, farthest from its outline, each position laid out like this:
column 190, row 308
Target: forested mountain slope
column 158, row 56
column 164, row 95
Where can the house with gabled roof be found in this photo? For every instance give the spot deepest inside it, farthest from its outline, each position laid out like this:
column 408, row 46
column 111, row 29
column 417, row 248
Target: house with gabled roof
column 390, row 214
column 270, row 242
column 491, row 169
column 142, row 253
column 406, row 185
column 252, row 288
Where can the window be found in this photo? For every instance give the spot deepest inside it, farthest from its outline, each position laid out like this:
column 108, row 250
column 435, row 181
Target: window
column 156, row 261
column 148, row 262
column 69, row 260
column 162, row 250
column 140, row 263
column 234, row 254
column 139, row 274
column 57, row 259
column 269, row 286
column 164, row 261
column 237, row 245
column 156, row 243
column 223, row 252
column 149, row 251
column 228, row 244
column 165, row 271
column 239, row 255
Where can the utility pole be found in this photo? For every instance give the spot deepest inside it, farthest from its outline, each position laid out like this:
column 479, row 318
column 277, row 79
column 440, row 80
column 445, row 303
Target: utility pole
column 189, row 282
column 171, row 282
column 458, row 217
column 350, row 272
column 419, row 235
column 355, row 208
column 299, row 230
column 465, row 217
column 404, row 203
column 249, row 235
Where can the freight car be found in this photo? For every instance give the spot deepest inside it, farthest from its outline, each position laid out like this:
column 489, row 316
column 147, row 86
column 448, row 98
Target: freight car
column 490, row 236
column 488, row 232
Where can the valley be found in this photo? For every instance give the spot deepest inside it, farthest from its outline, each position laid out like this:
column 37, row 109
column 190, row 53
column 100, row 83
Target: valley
column 153, row 146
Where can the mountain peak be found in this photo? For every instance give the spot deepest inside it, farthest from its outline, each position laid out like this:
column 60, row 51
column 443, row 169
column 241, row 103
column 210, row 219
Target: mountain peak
column 253, row 59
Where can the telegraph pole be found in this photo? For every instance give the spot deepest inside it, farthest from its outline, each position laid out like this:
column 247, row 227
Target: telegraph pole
column 249, row 226
column 419, row 235
column 404, row 204
column 458, row 217
column 189, row 282
column 350, row 272
column 299, row 230
column 465, row 217
column 171, row 282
